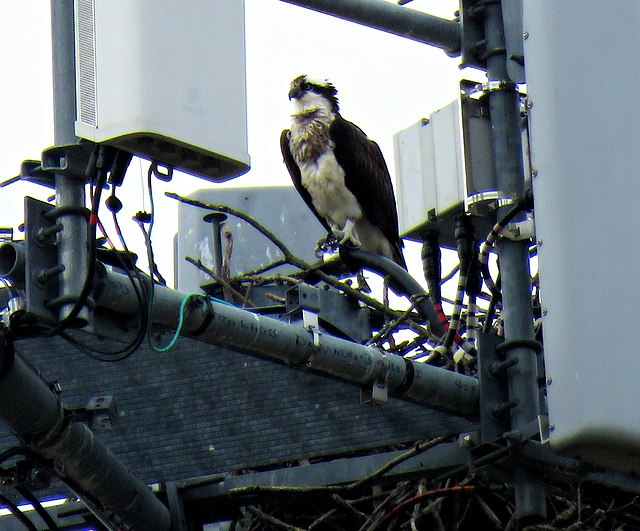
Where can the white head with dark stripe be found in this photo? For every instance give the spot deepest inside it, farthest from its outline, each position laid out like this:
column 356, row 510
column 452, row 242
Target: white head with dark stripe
column 309, row 94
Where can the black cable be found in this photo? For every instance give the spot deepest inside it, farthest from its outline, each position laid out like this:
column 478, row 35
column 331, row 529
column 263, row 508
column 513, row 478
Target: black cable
column 400, row 280
column 492, row 308
column 108, row 161
column 39, row 509
column 141, row 295
column 464, row 246
column 26, row 494
column 431, row 259
column 525, row 203
column 15, row 511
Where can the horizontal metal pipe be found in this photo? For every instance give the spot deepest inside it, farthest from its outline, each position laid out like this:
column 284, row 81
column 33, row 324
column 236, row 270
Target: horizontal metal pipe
column 392, row 18
column 12, row 262
column 230, row 327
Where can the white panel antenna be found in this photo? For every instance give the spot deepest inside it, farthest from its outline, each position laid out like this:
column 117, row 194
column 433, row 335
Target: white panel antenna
column 166, row 81
column 585, row 123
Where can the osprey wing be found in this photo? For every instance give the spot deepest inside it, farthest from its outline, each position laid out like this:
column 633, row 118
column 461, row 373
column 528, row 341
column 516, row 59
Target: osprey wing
column 296, row 176
column 368, row 179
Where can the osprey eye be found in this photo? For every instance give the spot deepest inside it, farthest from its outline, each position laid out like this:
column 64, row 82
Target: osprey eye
column 306, row 86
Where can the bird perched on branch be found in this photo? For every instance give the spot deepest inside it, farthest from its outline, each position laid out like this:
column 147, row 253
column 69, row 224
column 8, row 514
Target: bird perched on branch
column 339, row 172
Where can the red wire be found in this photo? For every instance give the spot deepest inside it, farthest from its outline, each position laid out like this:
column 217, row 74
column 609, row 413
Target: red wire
column 435, row 493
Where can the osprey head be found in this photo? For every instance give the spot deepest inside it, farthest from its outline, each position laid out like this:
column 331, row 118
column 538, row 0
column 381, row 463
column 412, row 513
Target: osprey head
column 309, row 93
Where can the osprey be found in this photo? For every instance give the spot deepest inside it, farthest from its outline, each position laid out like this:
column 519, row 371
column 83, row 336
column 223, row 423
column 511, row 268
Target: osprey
column 339, row 172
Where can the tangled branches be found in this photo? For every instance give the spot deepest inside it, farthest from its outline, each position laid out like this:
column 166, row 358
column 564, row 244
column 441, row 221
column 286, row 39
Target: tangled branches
column 470, row 504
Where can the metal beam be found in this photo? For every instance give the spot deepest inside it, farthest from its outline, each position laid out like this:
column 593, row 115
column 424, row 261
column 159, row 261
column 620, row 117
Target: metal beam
column 224, row 325
column 435, row 460
column 392, row 18
column 33, row 412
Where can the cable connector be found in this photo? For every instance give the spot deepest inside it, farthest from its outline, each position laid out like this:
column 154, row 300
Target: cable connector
column 520, row 230
column 142, row 217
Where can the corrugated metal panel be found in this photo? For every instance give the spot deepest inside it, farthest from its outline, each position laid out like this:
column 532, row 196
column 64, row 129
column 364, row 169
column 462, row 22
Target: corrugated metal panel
column 199, row 410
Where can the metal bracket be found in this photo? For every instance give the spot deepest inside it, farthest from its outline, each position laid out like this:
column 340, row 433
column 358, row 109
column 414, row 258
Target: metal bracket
column 538, row 428
column 310, row 322
column 520, row 230
column 378, row 394
column 343, row 315
column 99, row 414
column 41, row 259
column 495, row 86
column 72, row 160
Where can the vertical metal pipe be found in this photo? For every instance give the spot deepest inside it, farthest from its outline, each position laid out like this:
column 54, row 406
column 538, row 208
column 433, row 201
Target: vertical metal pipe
column 216, row 219
column 514, row 258
column 72, row 240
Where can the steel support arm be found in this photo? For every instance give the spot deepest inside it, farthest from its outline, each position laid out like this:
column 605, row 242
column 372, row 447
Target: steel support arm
column 514, row 260
column 392, row 18
column 32, row 411
column 230, row 327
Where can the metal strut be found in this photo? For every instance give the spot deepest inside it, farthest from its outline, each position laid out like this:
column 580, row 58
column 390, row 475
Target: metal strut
column 32, row 410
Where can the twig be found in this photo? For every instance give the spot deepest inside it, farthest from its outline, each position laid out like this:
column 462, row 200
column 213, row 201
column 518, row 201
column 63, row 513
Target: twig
column 433, row 509
column 487, row 510
column 272, row 520
column 289, row 257
column 219, row 279
column 263, row 269
column 330, row 489
column 344, row 503
column 376, row 518
column 402, row 317
column 225, row 269
column 322, row 518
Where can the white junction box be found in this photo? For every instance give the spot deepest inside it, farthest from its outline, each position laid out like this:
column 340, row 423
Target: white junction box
column 429, row 169
column 165, row 80
column 585, row 125
column 445, row 167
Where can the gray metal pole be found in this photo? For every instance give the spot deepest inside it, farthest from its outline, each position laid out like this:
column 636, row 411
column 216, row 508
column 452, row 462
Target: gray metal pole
column 385, row 16
column 33, row 412
column 230, row 327
column 514, row 257
column 70, row 195
column 216, row 219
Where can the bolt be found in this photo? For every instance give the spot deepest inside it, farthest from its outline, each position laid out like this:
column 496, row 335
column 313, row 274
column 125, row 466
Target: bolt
column 45, row 274
column 504, row 407
column 544, row 312
column 549, row 380
column 525, row 35
column 44, row 234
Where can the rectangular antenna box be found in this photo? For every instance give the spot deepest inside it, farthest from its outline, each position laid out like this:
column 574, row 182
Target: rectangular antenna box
column 445, row 167
column 165, row 81
column 584, row 144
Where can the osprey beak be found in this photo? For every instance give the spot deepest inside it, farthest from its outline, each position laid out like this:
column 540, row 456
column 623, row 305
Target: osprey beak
column 296, row 93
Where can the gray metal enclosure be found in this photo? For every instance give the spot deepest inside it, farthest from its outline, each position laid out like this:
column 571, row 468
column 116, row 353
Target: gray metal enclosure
column 582, row 73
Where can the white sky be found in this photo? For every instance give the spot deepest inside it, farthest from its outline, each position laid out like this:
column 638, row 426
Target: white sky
column 385, row 83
